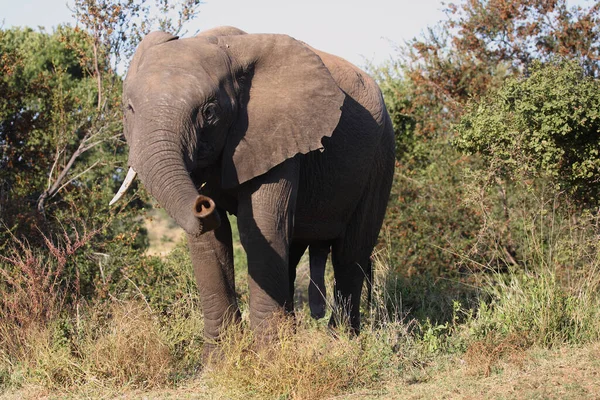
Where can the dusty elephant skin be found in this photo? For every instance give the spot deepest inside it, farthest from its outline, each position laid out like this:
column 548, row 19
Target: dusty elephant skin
column 296, row 142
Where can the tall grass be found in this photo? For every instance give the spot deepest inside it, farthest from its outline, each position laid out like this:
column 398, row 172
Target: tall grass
column 552, row 295
column 547, row 296
column 105, row 343
column 306, row 362
column 111, row 347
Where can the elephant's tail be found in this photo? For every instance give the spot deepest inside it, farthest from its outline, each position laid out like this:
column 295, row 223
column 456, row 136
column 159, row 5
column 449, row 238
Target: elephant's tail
column 369, row 276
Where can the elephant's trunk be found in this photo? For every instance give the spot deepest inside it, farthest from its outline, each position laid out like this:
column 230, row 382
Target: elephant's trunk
column 162, row 171
column 205, row 210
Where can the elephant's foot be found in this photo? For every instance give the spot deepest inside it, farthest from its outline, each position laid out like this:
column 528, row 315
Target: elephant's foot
column 212, row 353
column 217, row 332
column 271, row 330
column 269, row 308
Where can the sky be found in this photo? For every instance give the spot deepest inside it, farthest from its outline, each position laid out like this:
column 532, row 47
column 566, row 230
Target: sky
column 361, row 31
column 358, row 30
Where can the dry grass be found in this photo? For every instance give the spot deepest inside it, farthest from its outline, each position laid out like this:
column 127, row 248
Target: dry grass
column 562, row 373
column 519, row 336
column 483, row 356
column 119, row 346
column 129, row 349
column 126, row 351
column 306, row 362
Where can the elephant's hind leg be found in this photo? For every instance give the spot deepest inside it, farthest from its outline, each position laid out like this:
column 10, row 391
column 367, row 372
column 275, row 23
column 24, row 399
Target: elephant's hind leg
column 297, row 249
column 351, row 253
column 350, row 269
column 317, row 293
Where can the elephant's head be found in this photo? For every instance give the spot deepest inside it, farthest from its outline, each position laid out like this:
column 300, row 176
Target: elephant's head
column 243, row 102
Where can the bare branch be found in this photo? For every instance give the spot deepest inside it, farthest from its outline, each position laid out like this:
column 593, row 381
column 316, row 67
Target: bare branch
column 54, row 164
column 76, row 176
column 54, row 188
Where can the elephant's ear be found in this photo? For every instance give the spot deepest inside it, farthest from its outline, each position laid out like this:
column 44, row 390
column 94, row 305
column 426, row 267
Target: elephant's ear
column 289, row 102
column 150, row 40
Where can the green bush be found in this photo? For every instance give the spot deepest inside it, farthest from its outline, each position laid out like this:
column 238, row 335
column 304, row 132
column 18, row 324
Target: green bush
column 545, row 124
column 429, row 231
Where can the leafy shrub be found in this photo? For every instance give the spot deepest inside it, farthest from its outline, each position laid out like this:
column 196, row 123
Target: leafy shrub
column 545, row 124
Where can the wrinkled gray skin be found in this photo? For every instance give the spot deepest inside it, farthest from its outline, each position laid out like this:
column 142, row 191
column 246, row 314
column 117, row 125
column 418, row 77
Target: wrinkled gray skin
column 296, row 142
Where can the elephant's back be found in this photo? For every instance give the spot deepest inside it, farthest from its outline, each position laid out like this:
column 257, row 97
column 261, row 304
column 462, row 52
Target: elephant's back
column 355, row 83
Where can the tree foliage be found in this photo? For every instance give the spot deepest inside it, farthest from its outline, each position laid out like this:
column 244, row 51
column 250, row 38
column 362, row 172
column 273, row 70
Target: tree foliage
column 546, row 124
column 452, row 214
column 45, row 112
column 519, row 32
column 482, row 42
column 62, row 152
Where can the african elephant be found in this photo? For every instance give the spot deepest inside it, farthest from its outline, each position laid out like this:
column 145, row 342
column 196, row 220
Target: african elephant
column 295, row 142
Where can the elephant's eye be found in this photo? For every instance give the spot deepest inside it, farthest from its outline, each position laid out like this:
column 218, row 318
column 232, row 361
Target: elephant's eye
column 209, row 113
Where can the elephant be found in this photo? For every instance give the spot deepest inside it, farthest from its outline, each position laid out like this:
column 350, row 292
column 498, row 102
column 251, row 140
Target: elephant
column 295, row 142
column 317, row 293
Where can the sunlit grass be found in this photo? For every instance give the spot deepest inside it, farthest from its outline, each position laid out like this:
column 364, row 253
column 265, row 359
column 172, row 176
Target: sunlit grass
column 138, row 344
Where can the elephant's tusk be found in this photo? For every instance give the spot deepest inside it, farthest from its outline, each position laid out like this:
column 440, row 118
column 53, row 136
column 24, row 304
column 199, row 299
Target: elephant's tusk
column 126, row 183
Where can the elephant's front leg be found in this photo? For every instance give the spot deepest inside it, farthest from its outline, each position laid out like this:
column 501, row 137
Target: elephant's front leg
column 265, row 218
column 212, row 259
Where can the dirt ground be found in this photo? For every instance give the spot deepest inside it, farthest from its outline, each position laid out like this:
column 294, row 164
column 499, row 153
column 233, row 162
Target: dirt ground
column 163, row 232
column 564, row 373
